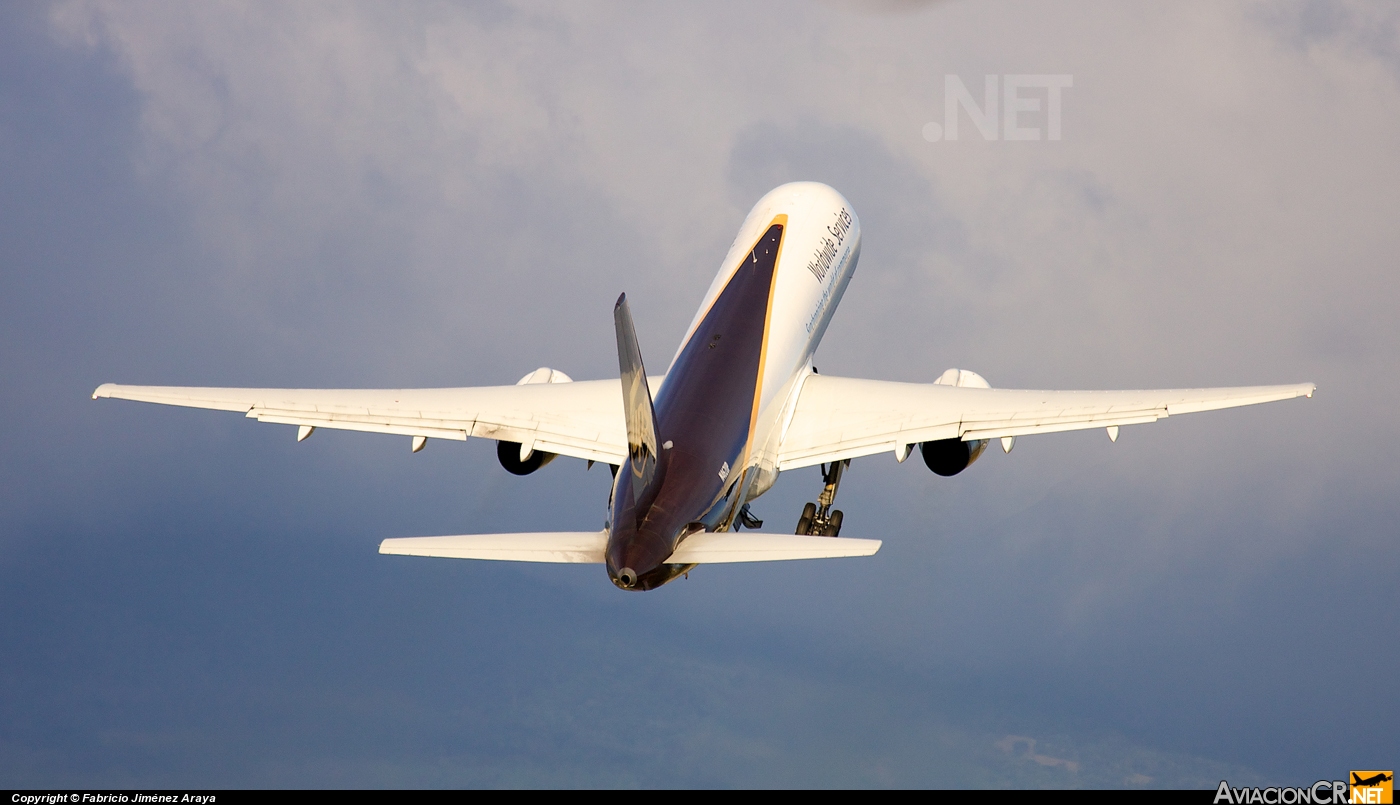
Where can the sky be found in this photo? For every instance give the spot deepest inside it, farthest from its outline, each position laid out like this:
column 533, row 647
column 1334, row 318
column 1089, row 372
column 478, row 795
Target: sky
column 441, row 194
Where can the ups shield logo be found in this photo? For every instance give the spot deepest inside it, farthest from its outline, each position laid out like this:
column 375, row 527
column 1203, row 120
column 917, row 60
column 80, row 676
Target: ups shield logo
column 1372, row 787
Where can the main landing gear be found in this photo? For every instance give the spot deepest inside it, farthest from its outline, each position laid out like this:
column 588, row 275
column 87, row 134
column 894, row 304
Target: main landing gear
column 818, row 519
column 747, row 520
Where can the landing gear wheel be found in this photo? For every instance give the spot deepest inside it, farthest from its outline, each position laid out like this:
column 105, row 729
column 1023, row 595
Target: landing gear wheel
column 804, row 523
column 833, row 526
column 818, row 519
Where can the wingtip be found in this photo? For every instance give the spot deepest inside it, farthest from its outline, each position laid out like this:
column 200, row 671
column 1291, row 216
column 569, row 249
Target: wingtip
column 103, row 390
column 621, row 300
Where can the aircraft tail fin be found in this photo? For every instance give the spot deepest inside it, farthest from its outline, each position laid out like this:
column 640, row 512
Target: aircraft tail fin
column 636, row 399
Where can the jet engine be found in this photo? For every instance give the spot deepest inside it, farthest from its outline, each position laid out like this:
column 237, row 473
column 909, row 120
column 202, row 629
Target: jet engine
column 948, row 457
column 516, row 457
column 519, row 461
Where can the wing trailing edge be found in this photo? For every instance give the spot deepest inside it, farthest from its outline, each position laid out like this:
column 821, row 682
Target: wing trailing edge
column 839, row 418
column 579, row 419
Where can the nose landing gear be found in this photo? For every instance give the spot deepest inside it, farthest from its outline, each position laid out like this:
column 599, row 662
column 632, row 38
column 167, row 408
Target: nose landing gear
column 818, row 519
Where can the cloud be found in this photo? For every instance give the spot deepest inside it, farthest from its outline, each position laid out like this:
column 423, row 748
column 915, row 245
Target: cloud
column 359, row 194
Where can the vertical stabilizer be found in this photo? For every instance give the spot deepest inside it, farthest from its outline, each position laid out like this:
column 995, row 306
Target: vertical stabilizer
column 636, row 400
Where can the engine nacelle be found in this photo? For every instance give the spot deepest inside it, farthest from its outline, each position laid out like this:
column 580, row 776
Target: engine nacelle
column 962, row 377
column 515, row 457
column 509, row 455
column 948, row 457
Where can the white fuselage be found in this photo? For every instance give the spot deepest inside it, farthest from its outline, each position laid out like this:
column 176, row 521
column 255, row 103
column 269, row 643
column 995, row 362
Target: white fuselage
column 821, row 247
column 717, row 419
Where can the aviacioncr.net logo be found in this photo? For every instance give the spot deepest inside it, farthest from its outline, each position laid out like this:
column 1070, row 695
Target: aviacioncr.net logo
column 1372, row 787
column 1375, row 787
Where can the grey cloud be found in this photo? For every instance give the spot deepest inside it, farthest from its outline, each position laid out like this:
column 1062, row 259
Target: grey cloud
column 1370, row 30
column 433, row 194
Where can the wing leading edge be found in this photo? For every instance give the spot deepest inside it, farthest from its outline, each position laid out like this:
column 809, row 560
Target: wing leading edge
column 838, row 418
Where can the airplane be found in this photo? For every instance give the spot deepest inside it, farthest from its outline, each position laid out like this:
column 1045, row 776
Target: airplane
column 740, row 403
column 1376, row 779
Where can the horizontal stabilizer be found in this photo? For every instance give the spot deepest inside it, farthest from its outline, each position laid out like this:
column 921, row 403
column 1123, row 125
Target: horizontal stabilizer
column 586, row 547
column 749, row 546
column 572, row 547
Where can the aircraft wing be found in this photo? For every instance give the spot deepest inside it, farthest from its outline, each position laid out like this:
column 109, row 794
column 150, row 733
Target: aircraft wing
column 587, row 547
column 580, row 419
column 838, row 418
